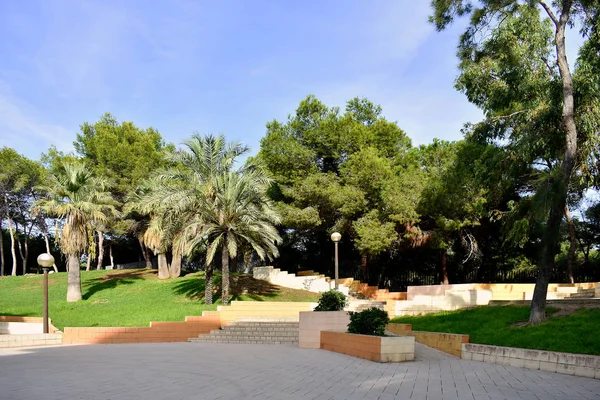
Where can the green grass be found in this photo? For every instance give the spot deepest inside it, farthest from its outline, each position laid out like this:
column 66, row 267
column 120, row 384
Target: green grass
column 574, row 333
column 129, row 297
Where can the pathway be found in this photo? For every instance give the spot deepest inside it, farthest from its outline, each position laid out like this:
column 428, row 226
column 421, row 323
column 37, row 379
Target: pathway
column 230, row 371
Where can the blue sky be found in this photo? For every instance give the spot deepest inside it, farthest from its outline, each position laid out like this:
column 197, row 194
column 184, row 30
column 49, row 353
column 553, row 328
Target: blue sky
column 228, row 67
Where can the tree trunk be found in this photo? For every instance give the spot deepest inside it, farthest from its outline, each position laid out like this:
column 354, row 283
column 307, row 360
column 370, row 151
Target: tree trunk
column 225, row 274
column 208, row 284
column 1, row 250
column 163, row 266
column 23, row 258
column 74, row 279
column 175, row 270
column 110, row 255
column 89, row 263
column 146, row 253
column 26, row 260
column 363, row 264
column 100, row 249
column 551, row 233
column 572, row 245
column 12, row 248
column 45, row 233
column 444, row 269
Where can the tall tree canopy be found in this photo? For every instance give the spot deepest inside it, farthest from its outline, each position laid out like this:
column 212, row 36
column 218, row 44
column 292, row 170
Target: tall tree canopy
column 346, row 171
column 513, row 65
column 124, row 155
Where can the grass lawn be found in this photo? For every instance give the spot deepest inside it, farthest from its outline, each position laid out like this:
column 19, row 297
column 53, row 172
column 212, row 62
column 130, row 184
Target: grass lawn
column 573, row 333
column 129, row 297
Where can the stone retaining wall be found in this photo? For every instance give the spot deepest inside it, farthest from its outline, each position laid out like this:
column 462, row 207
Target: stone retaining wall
column 562, row 363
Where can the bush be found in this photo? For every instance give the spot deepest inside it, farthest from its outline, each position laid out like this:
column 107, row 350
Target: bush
column 332, row 300
column 368, row 322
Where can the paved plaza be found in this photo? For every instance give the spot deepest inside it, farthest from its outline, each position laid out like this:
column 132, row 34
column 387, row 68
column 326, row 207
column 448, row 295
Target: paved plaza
column 232, row 371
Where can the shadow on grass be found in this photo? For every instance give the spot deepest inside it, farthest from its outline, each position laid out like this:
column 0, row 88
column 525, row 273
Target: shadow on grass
column 240, row 285
column 111, row 281
column 26, row 314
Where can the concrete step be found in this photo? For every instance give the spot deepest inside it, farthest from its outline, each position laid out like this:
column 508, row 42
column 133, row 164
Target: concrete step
column 273, row 342
column 253, row 332
column 583, row 294
column 248, row 337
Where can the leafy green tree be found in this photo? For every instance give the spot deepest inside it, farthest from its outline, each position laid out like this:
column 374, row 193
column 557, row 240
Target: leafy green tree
column 331, row 170
column 514, row 66
column 124, row 155
column 77, row 197
column 18, row 177
column 187, row 195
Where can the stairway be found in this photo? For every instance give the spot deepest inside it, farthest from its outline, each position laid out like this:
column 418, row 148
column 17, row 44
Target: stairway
column 355, row 304
column 254, row 332
column 583, row 294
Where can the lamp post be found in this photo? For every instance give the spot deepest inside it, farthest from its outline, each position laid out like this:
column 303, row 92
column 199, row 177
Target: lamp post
column 46, row 261
column 335, row 237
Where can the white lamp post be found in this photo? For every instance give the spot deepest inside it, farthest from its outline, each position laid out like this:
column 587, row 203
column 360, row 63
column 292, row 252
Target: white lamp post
column 46, row 261
column 336, row 237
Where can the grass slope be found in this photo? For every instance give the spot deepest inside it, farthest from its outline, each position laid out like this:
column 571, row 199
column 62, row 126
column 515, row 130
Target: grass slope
column 574, row 333
column 129, row 298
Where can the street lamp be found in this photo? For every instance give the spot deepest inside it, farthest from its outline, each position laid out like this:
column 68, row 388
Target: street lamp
column 335, row 237
column 46, row 261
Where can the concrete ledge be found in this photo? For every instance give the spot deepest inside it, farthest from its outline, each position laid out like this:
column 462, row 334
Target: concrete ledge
column 156, row 332
column 562, row 363
column 262, row 309
column 313, row 322
column 582, row 302
column 374, row 348
column 31, row 340
column 17, row 325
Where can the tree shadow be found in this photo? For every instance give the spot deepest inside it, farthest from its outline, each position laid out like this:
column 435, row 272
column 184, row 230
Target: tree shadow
column 255, row 289
column 111, row 281
column 24, row 314
column 241, row 286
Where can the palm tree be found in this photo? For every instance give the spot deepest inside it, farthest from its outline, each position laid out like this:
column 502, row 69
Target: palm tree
column 173, row 195
column 74, row 195
column 240, row 212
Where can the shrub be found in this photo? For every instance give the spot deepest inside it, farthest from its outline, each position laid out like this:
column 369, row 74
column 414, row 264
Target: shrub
column 332, row 300
column 371, row 321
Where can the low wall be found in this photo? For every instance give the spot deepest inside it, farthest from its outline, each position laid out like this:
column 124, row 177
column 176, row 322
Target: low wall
column 156, row 332
column 374, row 348
column 449, row 343
column 31, row 340
column 16, row 325
column 399, row 329
column 313, row 322
column 562, row 363
column 262, row 309
column 500, row 291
